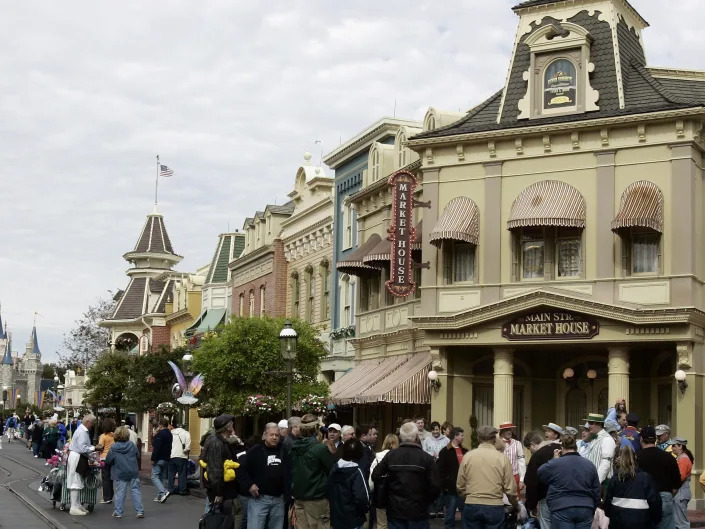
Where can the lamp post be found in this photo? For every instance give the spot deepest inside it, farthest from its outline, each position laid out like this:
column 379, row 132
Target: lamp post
column 4, row 400
column 56, row 391
column 187, row 370
column 287, row 346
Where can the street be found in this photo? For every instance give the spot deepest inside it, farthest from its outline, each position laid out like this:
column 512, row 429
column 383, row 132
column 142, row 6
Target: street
column 24, row 506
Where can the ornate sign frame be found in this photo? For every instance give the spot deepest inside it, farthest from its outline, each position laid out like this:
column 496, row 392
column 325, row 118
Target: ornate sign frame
column 551, row 324
column 402, row 234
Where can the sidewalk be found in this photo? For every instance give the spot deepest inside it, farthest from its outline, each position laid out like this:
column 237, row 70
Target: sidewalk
column 146, row 475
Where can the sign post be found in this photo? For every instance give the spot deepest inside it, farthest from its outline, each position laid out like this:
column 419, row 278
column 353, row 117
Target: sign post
column 402, row 234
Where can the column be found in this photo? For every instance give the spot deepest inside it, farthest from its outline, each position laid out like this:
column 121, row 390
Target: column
column 618, row 375
column 442, row 395
column 503, row 385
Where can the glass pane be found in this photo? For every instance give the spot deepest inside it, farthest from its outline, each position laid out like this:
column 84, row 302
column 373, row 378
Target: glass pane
column 568, row 257
column 532, row 259
column 645, row 252
column 463, row 262
column 559, row 84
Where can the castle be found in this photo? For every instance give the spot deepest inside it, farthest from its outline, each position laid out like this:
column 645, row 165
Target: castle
column 20, row 376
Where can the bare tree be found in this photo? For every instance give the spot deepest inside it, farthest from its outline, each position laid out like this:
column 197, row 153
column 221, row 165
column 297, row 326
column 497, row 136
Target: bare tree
column 84, row 343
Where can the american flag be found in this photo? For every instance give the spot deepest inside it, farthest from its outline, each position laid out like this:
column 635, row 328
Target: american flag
column 165, row 171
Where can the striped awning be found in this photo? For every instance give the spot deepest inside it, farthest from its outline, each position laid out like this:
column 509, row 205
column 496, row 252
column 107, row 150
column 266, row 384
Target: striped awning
column 380, row 255
column 641, row 206
column 354, row 263
column 398, row 379
column 548, row 203
column 460, row 221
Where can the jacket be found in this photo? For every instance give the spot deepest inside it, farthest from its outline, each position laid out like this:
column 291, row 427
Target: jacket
column 62, row 431
column 123, row 458
column 180, row 443
column 254, row 470
column 37, row 433
column 161, row 446
column 215, row 451
column 572, row 482
column 51, row 434
column 448, row 467
column 535, row 490
column 348, row 495
column 633, row 503
column 413, row 482
column 311, row 462
column 434, row 445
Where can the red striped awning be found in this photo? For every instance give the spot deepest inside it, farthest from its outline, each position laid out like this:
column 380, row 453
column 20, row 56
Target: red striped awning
column 460, row 221
column 346, row 389
column 548, row 203
column 641, row 206
column 354, row 263
column 380, row 255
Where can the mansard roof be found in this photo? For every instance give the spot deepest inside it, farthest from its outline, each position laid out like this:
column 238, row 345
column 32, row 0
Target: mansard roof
column 136, row 300
column 154, row 238
column 230, row 247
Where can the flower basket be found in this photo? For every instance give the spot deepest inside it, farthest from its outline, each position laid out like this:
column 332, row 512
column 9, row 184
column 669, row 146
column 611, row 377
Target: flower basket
column 257, row 404
column 207, row 409
column 315, row 404
column 166, row 408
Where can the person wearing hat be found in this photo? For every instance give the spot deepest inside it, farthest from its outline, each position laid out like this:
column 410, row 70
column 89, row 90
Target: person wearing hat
column 334, row 434
column 584, row 441
column 664, row 470
column 630, row 432
column 685, row 460
column 484, row 477
column 602, row 446
column 663, row 435
column 514, row 452
column 552, row 432
column 283, row 428
column 542, row 451
column 217, row 450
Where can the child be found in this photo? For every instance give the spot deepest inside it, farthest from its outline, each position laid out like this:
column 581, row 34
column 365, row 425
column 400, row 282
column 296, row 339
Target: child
column 122, row 458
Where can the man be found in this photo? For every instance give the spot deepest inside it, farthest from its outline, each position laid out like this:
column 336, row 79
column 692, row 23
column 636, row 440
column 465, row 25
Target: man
column 346, row 432
column 217, row 448
column 412, row 481
column 435, row 442
column 28, row 421
column 622, row 420
column 334, row 434
column 161, row 454
column 80, row 447
column 601, row 449
column 449, row 460
column 293, row 432
column 10, row 426
column 514, row 452
column 283, row 428
column 484, row 477
column 178, row 462
column 266, row 475
column 420, row 423
column 311, row 462
column 664, row 469
column 552, row 432
column 630, row 433
column 663, row 435
column 368, row 435
column 542, row 452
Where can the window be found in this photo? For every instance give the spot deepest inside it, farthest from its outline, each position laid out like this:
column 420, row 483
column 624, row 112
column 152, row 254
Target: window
column 295, row 295
column 402, row 149
column 532, row 254
column 459, row 262
column 369, row 292
column 568, row 252
column 375, row 165
column 241, row 307
column 559, row 86
column 345, row 297
column 252, row 303
column 389, row 298
column 311, row 291
column 548, row 253
column 326, row 283
column 262, row 293
column 645, row 250
column 417, row 279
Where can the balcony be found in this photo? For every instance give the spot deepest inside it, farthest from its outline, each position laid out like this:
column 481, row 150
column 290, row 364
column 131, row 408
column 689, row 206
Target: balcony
column 386, row 319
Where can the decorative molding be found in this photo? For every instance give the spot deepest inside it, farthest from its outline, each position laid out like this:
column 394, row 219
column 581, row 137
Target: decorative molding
column 460, row 150
column 685, row 355
column 519, row 145
column 605, row 137
column 429, row 155
column 546, row 143
column 458, row 335
column 492, row 149
column 641, row 132
column 647, row 330
column 680, row 129
column 575, row 140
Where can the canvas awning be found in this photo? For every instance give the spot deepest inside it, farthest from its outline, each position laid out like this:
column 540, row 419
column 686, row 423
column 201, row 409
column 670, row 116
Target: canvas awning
column 641, row 206
column 392, row 379
column 354, row 263
column 381, row 254
column 207, row 321
column 460, row 221
column 548, row 203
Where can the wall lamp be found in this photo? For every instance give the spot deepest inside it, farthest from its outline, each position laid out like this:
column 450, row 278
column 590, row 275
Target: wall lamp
column 433, row 378
column 682, row 383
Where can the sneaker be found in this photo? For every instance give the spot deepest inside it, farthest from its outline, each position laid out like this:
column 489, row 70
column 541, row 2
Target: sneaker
column 106, row 501
column 36, row 456
column 164, row 497
column 140, row 515
column 157, row 498
column 77, row 512
column 117, row 515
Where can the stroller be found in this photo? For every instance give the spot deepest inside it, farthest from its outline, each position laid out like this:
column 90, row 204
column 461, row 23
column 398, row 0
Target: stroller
column 53, row 483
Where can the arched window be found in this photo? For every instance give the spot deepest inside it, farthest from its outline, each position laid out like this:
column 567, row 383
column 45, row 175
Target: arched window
column 241, row 306
column 402, row 150
column 560, row 85
column 375, row 165
column 345, row 298
column 311, row 294
column 252, row 303
column 262, row 310
column 295, row 294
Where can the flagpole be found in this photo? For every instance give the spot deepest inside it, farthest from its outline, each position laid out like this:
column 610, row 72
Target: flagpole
column 156, row 186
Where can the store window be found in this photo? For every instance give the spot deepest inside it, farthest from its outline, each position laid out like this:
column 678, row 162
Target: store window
column 295, row 295
column 458, row 261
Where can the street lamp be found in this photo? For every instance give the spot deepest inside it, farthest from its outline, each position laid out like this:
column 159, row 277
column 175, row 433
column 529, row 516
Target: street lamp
column 4, row 399
column 287, row 347
column 187, row 370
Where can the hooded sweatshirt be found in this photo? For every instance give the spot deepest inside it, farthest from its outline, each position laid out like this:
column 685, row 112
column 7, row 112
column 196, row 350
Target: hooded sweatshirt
column 311, row 462
column 348, row 495
column 123, row 458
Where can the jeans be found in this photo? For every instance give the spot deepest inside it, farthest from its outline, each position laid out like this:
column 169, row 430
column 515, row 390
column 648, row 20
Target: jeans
column 544, row 514
column 159, row 473
column 35, row 449
column 396, row 523
column 242, row 518
column 121, row 491
column 107, row 482
column 573, row 518
column 483, row 516
column 680, row 509
column 667, row 521
column 452, row 503
column 265, row 512
column 178, row 466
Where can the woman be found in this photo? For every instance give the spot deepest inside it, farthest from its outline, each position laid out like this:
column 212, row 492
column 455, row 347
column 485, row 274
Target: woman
column 613, row 413
column 347, row 490
column 106, row 440
column 446, row 427
column 390, row 443
column 122, row 460
column 573, row 487
column 632, row 499
column 51, row 436
column 685, row 460
column 37, row 434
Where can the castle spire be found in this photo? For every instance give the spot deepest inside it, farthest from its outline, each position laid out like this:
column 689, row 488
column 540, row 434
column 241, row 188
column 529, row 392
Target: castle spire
column 35, row 342
column 7, row 359
column 3, row 330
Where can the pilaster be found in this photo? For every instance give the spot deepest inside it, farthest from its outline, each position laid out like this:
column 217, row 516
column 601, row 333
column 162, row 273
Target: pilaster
column 503, row 384
column 618, row 374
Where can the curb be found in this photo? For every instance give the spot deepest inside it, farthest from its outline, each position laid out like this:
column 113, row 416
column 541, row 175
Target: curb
column 35, row 510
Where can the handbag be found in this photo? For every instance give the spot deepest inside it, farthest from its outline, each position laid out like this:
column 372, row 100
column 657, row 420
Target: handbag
column 82, row 467
column 216, row 519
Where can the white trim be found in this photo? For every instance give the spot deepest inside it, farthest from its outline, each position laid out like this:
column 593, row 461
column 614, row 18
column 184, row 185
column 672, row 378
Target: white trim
column 630, row 503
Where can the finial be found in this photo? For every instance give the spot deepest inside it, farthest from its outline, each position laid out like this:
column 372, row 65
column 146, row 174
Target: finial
column 307, row 157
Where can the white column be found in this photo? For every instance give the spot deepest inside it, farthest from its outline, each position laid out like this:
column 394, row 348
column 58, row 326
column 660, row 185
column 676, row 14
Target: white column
column 503, row 385
column 618, row 375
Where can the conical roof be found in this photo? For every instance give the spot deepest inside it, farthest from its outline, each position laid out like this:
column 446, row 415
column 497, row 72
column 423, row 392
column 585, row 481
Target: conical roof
column 7, row 359
column 154, row 237
column 3, row 333
column 35, row 342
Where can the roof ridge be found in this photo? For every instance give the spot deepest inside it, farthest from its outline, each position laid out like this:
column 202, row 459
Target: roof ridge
column 662, row 90
column 474, row 111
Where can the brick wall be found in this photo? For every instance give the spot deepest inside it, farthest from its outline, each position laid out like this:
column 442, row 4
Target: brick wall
column 161, row 336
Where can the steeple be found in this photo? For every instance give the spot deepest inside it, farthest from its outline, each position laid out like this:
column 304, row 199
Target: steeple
column 153, row 249
column 3, row 331
column 7, row 359
column 35, row 342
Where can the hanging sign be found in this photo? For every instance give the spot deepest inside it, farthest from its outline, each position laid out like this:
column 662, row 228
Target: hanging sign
column 402, row 233
column 551, row 325
column 144, row 344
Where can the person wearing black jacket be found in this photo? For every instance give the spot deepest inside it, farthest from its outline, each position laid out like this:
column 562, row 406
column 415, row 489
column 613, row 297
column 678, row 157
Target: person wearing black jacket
column 347, row 490
column 217, row 450
column 266, row 475
column 542, row 453
column 37, row 434
column 448, row 464
column 412, row 481
column 663, row 469
column 161, row 454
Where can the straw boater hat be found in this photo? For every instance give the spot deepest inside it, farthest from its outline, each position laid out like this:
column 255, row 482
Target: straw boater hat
column 506, row 426
column 554, row 427
column 595, row 417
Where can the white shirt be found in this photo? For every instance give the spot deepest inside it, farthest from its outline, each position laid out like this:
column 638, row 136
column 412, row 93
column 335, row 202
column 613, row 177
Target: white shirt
column 81, row 441
column 180, row 444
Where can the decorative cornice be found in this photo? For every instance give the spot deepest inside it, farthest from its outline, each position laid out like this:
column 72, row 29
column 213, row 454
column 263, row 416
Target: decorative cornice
column 676, row 73
column 400, row 335
column 252, row 256
column 308, row 229
column 178, row 316
column 382, row 183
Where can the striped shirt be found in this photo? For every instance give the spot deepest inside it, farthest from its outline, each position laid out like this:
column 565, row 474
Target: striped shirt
column 515, row 453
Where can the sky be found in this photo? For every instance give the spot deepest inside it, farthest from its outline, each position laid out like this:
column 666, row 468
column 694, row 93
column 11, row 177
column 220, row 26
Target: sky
column 230, row 94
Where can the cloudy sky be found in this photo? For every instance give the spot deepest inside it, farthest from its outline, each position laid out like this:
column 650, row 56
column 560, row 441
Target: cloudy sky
column 230, row 94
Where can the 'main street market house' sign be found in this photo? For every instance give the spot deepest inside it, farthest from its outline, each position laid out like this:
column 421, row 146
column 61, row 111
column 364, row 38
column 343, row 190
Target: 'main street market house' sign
column 402, row 233
column 551, row 325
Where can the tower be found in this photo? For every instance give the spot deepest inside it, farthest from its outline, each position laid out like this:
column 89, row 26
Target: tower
column 31, row 367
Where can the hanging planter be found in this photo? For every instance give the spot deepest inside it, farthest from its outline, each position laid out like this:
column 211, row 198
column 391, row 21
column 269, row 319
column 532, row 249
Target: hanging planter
column 259, row 404
column 166, row 408
column 315, row 404
column 207, row 410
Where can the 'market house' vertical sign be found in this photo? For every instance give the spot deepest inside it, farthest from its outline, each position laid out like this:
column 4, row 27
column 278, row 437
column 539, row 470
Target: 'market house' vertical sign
column 402, row 233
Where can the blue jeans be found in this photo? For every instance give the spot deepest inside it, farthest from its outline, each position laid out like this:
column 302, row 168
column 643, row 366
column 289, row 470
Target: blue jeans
column 121, row 491
column 159, row 474
column 396, row 523
column 667, row 520
column 178, row 466
column 265, row 512
column 483, row 516
column 544, row 514
column 573, row 518
column 452, row 503
column 244, row 500
column 35, row 449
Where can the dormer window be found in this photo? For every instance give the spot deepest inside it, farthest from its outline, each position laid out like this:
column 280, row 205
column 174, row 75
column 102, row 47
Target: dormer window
column 375, row 165
column 559, row 86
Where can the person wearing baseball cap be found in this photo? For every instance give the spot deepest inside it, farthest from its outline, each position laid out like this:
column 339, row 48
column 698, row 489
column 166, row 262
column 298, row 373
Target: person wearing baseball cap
column 514, row 452
column 484, row 477
column 663, row 435
column 334, row 433
column 601, row 449
column 663, row 469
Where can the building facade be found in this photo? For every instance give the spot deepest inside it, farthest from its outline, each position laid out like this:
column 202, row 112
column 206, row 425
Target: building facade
column 20, row 375
column 183, row 307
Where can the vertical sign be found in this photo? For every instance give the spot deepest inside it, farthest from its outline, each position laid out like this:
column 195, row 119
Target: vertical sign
column 402, row 233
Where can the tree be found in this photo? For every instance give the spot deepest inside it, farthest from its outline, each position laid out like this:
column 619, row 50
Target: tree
column 151, row 379
column 87, row 340
column 244, row 360
column 108, row 381
column 48, row 371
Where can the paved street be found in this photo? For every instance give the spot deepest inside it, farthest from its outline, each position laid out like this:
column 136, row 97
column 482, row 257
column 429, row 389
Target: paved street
column 26, row 507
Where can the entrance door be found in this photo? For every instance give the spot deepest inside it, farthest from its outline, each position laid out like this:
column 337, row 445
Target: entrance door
column 483, row 406
column 583, row 398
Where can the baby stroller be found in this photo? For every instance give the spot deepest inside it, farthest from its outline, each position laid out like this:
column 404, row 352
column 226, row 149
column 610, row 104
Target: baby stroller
column 52, row 483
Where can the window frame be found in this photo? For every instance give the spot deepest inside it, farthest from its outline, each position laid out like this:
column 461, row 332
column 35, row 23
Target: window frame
column 295, row 294
column 550, row 236
column 566, row 236
column 262, row 301
column 450, row 262
column 627, row 236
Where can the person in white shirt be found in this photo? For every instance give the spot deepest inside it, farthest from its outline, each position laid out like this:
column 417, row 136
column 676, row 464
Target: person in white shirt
column 80, row 446
column 178, row 464
column 601, row 449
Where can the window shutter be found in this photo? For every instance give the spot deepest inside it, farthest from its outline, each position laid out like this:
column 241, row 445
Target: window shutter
column 516, row 249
